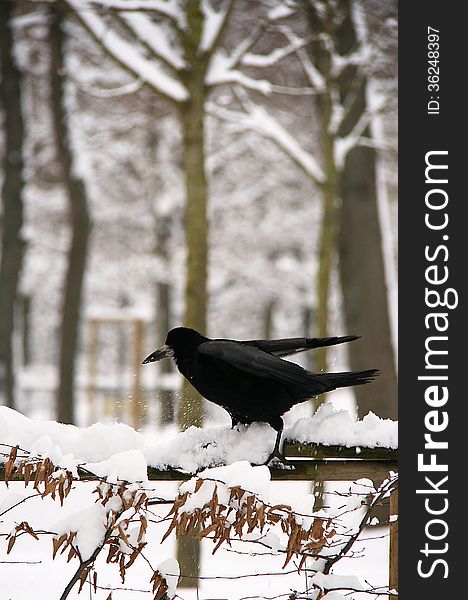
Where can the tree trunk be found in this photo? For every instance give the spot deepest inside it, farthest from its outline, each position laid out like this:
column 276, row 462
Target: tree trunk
column 364, row 287
column 268, row 319
column 25, row 320
column 12, row 249
column 165, row 396
column 196, row 227
column 162, row 225
column 362, row 268
column 359, row 239
column 196, row 221
column 80, row 223
column 327, row 243
column 323, row 21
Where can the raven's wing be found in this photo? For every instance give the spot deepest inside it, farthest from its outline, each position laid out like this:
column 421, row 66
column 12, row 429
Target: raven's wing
column 286, row 347
column 243, row 357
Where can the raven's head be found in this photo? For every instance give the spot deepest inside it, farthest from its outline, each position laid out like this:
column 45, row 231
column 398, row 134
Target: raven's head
column 180, row 342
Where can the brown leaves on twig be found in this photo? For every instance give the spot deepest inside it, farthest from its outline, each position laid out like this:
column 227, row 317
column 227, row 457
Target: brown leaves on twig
column 243, row 514
column 44, row 474
column 123, row 547
column 159, row 584
column 219, row 512
column 22, row 527
column 125, row 504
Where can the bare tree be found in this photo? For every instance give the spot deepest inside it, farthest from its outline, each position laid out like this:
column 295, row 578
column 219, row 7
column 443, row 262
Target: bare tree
column 176, row 49
column 79, row 220
column 335, row 64
column 12, row 247
column 362, row 264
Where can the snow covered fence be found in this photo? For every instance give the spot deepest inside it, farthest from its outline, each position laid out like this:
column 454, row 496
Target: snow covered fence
column 222, row 504
column 328, row 446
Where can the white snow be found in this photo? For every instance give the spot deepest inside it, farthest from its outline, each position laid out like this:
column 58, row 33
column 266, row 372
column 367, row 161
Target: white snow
column 155, row 36
column 331, row 427
column 195, row 448
column 258, row 119
column 126, row 54
column 11, row 499
column 90, row 444
column 267, row 60
column 281, row 11
column 89, row 525
column 170, row 8
column 221, row 72
column 170, row 570
column 125, row 466
column 336, row 582
column 212, row 24
column 251, row 478
column 119, row 451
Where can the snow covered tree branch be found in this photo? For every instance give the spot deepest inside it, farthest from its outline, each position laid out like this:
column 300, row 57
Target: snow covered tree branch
column 257, row 118
column 127, row 56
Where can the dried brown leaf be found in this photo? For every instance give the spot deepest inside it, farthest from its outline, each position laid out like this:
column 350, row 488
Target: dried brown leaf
column 28, row 529
column 57, row 542
column 122, row 567
column 289, row 555
column 204, row 532
column 141, row 500
column 71, row 553
column 301, row 564
column 28, row 469
column 83, row 577
column 161, row 591
column 113, row 549
column 173, row 524
column 218, row 545
column 61, row 491
column 143, row 526
column 123, row 536
column 8, row 470
column 135, row 554
column 11, row 543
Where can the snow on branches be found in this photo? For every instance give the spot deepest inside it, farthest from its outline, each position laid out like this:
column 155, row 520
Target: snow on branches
column 206, row 507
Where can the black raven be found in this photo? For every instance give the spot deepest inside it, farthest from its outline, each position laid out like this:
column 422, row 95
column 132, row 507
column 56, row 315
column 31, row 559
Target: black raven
column 249, row 379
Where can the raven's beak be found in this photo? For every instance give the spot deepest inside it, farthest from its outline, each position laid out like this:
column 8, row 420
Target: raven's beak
column 163, row 352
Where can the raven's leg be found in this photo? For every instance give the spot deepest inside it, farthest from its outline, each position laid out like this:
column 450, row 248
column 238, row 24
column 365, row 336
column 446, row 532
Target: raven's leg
column 277, row 424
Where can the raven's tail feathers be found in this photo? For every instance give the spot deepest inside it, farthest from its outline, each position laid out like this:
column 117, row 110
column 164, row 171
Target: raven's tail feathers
column 289, row 346
column 329, row 341
column 347, row 379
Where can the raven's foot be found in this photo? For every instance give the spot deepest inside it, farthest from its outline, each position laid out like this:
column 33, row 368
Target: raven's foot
column 278, row 460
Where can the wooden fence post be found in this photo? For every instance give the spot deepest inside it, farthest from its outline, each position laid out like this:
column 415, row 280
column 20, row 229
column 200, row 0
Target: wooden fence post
column 92, row 370
column 393, row 565
column 138, row 409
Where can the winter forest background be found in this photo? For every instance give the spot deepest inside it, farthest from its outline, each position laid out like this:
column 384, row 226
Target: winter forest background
column 224, row 165
column 228, row 165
